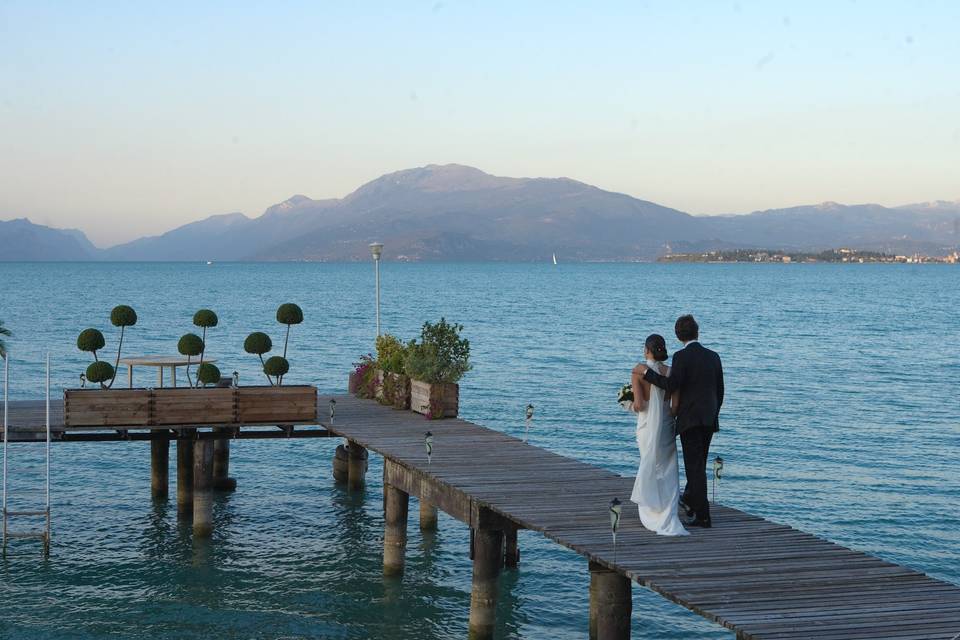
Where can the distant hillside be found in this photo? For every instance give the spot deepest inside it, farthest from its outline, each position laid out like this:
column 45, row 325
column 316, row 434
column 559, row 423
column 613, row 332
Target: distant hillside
column 22, row 240
column 454, row 212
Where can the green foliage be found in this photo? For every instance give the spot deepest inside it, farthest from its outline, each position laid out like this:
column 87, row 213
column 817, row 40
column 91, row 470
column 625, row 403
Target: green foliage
column 276, row 366
column 123, row 316
column 257, row 343
column 208, row 374
column 391, row 353
column 3, row 346
column 205, row 318
column 100, row 371
column 440, row 356
column 190, row 345
column 289, row 313
column 90, row 340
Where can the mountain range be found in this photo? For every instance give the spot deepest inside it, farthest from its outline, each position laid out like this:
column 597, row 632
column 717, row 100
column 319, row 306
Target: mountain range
column 455, row 212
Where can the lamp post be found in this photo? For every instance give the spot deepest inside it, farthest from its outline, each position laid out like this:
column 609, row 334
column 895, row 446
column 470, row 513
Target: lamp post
column 615, row 509
column 529, row 418
column 428, row 444
column 376, row 249
column 717, row 474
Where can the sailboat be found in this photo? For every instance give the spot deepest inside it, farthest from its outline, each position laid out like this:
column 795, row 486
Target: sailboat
column 554, row 259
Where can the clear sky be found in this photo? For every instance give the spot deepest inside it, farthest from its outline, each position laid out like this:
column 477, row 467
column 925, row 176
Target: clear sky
column 123, row 119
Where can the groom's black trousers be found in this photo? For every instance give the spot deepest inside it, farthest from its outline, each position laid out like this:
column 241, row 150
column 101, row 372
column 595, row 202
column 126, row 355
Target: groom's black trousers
column 696, row 448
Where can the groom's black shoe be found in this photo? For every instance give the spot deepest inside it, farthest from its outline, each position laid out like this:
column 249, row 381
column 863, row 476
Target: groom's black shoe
column 699, row 522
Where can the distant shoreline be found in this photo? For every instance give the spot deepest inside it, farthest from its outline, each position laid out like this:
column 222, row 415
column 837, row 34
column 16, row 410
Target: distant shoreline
column 830, row 256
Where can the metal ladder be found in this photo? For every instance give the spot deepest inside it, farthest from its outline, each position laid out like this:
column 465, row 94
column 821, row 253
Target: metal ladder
column 42, row 534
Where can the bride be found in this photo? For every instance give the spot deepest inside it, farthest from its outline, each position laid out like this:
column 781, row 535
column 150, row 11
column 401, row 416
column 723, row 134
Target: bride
column 657, row 488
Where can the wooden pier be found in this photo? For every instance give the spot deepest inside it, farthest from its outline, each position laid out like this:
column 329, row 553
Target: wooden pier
column 758, row 578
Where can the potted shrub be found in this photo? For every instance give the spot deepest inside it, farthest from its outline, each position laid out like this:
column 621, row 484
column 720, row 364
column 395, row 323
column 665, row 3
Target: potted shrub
column 259, row 343
column 435, row 364
column 91, row 340
column 393, row 385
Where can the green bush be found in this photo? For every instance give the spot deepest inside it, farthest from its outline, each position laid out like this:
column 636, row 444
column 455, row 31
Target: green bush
column 289, row 313
column 276, row 366
column 100, row 372
column 190, row 345
column 391, row 353
column 208, row 374
column 441, row 356
column 205, row 318
column 123, row 316
column 91, row 340
column 258, row 343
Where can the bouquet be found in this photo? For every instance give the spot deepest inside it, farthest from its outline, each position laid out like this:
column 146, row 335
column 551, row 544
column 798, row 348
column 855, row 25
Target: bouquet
column 625, row 399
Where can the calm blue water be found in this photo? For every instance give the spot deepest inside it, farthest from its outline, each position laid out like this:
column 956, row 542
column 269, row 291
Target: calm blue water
column 841, row 419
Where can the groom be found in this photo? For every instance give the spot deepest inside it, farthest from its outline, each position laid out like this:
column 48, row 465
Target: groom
column 698, row 375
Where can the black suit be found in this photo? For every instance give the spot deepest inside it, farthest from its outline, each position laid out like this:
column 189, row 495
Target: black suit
column 698, row 375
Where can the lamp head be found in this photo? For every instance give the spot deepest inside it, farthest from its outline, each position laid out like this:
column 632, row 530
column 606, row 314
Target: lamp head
column 376, row 249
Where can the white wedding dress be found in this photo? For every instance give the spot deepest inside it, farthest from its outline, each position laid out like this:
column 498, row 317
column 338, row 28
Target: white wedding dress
column 657, row 488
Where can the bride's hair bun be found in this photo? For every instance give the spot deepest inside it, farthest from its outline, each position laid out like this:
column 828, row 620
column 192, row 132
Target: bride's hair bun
column 656, row 345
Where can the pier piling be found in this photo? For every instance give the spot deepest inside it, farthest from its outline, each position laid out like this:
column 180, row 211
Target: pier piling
column 356, row 465
column 160, row 467
column 203, row 488
column 511, row 549
column 428, row 516
column 487, row 560
column 340, row 465
column 395, row 506
column 221, row 464
column 611, row 604
column 185, row 474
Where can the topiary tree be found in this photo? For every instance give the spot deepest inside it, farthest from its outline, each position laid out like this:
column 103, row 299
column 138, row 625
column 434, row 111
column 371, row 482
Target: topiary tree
column 101, row 371
column 288, row 314
column 276, row 366
column 190, row 345
column 259, row 343
column 207, row 374
column 122, row 316
column 4, row 332
column 91, row 341
column 205, row 318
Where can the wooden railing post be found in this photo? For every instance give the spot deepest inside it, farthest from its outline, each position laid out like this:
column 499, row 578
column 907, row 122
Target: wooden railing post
column 160, row 465
column 185, row 473
column 611, row 603
column 487, row 560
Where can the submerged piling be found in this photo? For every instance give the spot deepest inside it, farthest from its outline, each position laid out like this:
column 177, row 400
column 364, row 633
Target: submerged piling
column 221, row 464
column 185, row 473
column 160, row 466
column 356, row 465
column 203, row 488
column 611, row 604
column 428, row 516
column 487, row 560
column 395, row 506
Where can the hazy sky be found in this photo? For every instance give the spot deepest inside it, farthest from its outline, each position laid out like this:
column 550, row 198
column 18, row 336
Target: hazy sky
column 122, row 119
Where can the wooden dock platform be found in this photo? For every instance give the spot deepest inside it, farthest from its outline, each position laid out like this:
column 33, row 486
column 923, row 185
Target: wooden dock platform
column 758, row 578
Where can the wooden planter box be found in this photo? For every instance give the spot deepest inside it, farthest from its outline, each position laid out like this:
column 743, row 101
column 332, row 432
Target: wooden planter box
column 210, row 406
column 435, row 400
column 395, row 390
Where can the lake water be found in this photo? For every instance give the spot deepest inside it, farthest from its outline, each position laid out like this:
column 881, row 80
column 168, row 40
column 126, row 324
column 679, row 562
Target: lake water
column 841, row 418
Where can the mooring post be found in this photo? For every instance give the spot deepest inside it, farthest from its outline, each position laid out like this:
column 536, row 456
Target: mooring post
column 395, row 506
column 221, row 463
column 511, row 550
column 160, row 465
column 203, row 488
column 428, row 516
column 185, row 473
column 356, row 465
column 487, row 560
column 340, row 471
column 611, row 604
